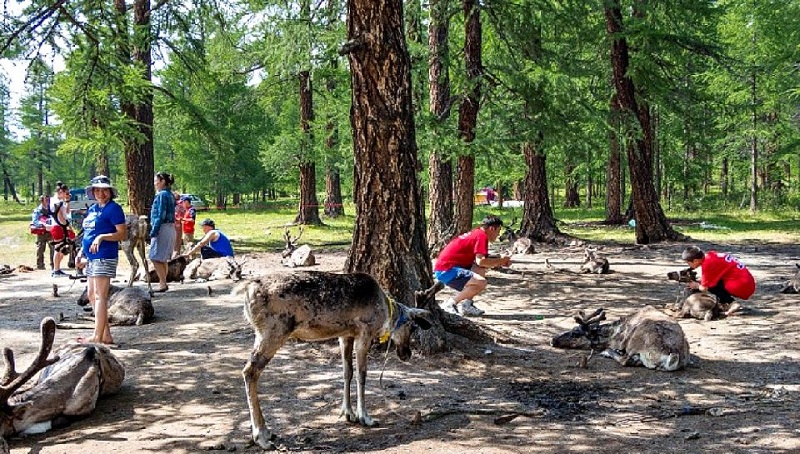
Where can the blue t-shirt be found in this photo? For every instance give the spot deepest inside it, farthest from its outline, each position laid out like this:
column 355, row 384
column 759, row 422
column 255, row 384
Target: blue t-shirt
column 99, row 221
column 222, row 245
column 162, row 211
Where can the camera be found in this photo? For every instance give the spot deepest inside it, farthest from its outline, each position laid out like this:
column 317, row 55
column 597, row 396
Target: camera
column 687, row 275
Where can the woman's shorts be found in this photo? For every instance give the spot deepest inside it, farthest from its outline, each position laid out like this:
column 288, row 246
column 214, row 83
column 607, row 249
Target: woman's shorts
column 162, row 245
column 102, row 267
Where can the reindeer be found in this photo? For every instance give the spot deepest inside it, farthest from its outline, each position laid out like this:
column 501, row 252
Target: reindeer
column 315, row 306
column 127, row 306
column 136, row 241
column 202, row 270
column 67, row 388
column 175, row 269
column 294, row 256
column 593, row 263
column 793, row 284
column 646, row 338
column 694, row 303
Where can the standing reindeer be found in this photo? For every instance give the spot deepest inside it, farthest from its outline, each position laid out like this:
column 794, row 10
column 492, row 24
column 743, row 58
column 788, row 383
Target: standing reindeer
column 646, row 338
column 67, row 388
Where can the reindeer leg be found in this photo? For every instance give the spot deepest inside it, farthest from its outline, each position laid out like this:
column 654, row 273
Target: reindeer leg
column 363, row 343
column 346, row 348
column 140, row 248
column 263, row 351
column 132, row 260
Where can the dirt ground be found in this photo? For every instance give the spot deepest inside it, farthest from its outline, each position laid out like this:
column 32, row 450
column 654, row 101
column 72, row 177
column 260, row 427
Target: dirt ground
column 184, row 393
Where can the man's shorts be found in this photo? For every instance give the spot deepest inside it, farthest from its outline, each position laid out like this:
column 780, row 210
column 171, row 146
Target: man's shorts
column 58, row 233
column 455, row 277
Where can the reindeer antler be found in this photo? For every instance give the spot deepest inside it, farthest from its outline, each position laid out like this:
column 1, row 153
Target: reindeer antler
column 11, row 379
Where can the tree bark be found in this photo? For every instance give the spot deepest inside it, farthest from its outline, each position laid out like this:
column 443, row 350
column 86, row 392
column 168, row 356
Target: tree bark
column 651, row 223
column 440, row 169
column 308, row 210
column 538, row 222
column 468, row 117
column 614, row 169
column 389, row 232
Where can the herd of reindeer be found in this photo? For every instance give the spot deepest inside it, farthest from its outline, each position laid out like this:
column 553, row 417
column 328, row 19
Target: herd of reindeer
column 312, row 306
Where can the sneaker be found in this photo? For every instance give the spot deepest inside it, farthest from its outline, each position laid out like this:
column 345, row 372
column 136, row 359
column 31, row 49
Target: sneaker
column 468, row 308
column 58, row 273
column 449, row 306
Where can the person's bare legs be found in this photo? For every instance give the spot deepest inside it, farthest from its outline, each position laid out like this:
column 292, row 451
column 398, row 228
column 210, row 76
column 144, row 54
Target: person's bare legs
column 161, row 271
column 474, row 286
column 98, row 297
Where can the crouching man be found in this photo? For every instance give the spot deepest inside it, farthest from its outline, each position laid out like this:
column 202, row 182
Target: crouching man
column 723, row 275
column 462, row 265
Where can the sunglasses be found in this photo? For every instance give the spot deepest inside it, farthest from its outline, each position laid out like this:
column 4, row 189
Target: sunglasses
column 101, row 180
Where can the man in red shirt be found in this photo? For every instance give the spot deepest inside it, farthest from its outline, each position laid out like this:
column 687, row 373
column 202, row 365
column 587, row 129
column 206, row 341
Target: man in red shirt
column 723, row 275
column 462, row 265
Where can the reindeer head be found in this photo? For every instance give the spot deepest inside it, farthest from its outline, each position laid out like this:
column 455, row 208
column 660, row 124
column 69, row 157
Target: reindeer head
column 404, row 321
column 589, row 334
column 291, row 243
column 11, row 381
column 235, row 268
column 687, row 275
column 509, row 233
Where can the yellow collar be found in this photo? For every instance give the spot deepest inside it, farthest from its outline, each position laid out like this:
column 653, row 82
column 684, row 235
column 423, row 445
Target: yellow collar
column 387, row 326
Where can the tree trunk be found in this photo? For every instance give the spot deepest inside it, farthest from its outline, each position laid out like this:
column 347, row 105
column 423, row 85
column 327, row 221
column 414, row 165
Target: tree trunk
column 572, row 198
column 538, row 222
column 651, row 223
column 333, row 190
column 389, row 232
column 614, row 168
column 334, row 206
column 468, row 117
column 308, row 211
column 440, row 171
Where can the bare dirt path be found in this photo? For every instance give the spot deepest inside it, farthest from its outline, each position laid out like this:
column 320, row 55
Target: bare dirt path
column 184, row 393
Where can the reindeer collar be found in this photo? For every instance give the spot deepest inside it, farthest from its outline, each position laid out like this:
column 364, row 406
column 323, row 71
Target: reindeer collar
column 387, row 330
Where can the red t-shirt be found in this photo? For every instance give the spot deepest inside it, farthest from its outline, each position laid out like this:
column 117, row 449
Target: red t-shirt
column 726, row 268
column 462, row 250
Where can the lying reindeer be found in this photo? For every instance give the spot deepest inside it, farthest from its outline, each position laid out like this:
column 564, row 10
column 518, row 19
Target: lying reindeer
column 646, row 338
column 175, row 268
column 202, row 270
column 793, row 284
column 127, row 306
column 67, row 388
column 316, row 306
column 694, row 303
column 592, row 263
column 293, row 255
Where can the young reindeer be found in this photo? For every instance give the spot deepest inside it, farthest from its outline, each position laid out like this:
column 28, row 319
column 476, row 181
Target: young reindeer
column 694, row 303
column 646, row 338
column 315, row 306
column 67, row 388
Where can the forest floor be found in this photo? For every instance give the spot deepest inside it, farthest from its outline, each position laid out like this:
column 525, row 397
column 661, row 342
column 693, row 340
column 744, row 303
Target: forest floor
column 184, row 393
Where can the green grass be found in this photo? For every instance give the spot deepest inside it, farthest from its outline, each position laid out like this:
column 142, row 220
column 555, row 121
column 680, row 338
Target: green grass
column 261, row 229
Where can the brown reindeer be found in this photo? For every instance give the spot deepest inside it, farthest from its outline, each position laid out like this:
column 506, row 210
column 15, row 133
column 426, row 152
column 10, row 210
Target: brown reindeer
column 294, row 255
column 646, row 338
column 593, row 263
column 67, row 388
column 793, row 284
column 694, row 303
column 316, row 306
column 175, row 268
column 217, row 268
column 127, row 306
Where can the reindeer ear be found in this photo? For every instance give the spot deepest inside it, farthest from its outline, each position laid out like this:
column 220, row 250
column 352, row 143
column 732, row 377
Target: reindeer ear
column 421, row 317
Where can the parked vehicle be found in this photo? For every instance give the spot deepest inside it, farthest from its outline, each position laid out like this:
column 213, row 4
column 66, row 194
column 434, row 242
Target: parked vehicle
column 78, row 204
column 198, row 203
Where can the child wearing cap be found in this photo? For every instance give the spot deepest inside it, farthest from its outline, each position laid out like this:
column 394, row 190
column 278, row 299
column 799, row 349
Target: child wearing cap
column 188, row 220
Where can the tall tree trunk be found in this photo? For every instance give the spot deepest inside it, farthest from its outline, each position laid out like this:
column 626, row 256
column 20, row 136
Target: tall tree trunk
column 389, row 232
column 308, row 211
column 139, row 161
column 614, row 168
column 468, row 117
column 538, row 222
column 334, row 206
column 572, row 198
column 651, row 223
column 440, row 170
column 754, row 146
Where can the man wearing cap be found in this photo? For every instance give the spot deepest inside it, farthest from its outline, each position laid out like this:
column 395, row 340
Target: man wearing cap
column 40, row 223
column 213, row 244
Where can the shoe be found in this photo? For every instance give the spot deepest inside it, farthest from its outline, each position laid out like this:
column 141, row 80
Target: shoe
column 58, row 273
column 449, row 306
column 469, row 309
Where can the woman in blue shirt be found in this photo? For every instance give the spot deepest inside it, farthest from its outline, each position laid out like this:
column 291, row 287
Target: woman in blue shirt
column 162, row 227
column 103, row 229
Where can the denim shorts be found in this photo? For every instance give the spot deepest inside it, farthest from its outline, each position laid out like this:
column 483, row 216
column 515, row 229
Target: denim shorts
column 455, row 277
column 102, row 267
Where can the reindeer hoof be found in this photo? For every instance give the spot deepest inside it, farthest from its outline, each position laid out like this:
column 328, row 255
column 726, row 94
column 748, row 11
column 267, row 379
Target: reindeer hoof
column 367, row 421
column 265, row 439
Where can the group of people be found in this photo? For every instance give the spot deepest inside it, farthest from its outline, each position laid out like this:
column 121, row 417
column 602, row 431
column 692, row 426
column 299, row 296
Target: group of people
column 463, row 263
column 51, row 225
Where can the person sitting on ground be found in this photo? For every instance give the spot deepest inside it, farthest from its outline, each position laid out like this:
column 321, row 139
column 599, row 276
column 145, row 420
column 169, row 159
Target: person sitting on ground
column 723, row 275
column 40, row 225
column 213, row 244
column 462, row 265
